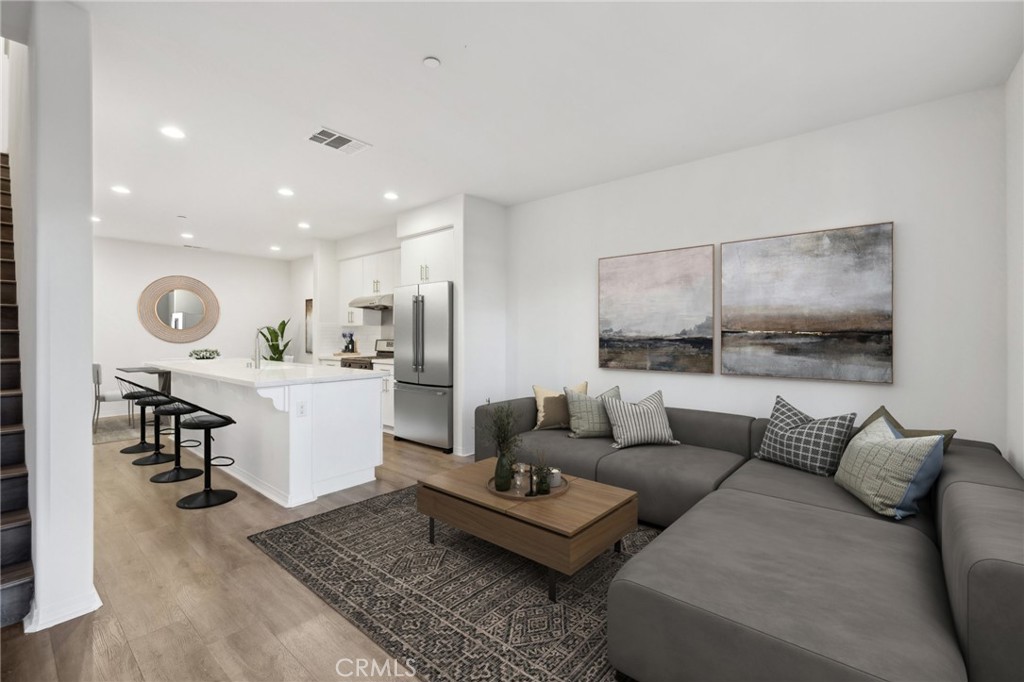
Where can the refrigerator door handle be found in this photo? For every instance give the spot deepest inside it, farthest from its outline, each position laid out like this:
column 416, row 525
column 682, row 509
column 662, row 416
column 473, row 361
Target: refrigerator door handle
column 416, row 323
column 418, row 303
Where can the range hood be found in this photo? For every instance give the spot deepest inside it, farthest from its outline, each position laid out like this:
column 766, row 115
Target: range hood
column 381, row 302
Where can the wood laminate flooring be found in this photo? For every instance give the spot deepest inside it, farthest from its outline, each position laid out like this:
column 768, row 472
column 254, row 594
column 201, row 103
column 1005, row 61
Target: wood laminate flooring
column 187, row 597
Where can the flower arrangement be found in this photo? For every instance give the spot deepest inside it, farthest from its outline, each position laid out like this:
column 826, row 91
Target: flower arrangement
column 204, row 354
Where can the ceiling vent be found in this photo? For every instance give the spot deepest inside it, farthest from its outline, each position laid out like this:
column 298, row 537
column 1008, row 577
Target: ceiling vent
column 336, row 140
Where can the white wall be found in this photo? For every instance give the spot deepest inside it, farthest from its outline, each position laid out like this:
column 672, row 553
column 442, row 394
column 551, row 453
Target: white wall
column 301, row 271
column 1015, row 267
column 936, row 170
column 51, row 159
column 252, row 292
column 366, row 243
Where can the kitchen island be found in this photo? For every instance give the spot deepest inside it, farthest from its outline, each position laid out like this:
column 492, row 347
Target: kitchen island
column 302, row 430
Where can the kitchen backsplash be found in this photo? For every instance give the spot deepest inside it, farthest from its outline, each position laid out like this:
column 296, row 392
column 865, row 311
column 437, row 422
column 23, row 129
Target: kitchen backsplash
column 365, row 335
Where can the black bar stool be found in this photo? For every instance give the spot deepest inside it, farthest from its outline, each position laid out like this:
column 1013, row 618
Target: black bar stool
column 156, row 400
column 178, row 473
column 207, row 497
column 134, row 392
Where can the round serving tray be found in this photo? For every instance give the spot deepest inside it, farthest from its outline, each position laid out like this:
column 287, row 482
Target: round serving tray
column 521, row 495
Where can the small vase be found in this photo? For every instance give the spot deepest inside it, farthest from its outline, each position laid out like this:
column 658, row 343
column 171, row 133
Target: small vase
column 543, row 486
column 503, row 473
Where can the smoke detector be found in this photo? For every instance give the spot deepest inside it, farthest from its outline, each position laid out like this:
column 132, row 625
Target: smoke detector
column 335, row 140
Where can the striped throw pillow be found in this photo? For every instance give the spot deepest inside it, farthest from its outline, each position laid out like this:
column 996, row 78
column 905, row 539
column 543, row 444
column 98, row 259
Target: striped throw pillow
column 642, row 423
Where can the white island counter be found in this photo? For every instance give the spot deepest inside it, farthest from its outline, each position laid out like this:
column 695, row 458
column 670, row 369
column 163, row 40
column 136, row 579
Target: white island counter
column 302, row 430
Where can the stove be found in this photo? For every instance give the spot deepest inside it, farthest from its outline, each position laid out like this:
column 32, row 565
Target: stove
column 383, row 349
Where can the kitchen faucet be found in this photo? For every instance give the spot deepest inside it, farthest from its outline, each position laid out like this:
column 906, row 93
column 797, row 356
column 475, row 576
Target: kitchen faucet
column 257, row 359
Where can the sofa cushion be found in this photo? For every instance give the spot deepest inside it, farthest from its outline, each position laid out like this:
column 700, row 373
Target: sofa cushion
column 573, row 456
column 790, row 590
column 972, row 462
column 642, row 423
column 669, row 479
column 587, row 416
column 887, row 472
column 774, row 480
column 983, row 555
column 552, row 408
column 716, row 430
column 798, row 440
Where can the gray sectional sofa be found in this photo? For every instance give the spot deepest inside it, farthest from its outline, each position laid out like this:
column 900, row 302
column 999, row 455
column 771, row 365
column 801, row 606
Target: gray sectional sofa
column 764, row 572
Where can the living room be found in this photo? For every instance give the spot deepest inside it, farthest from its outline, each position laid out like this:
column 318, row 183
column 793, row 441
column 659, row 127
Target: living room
column 925, row 137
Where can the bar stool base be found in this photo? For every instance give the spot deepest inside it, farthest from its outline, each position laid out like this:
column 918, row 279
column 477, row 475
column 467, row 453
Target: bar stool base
column 176, row 474
column 206, row 498
column 155, row 458
column 140, row 447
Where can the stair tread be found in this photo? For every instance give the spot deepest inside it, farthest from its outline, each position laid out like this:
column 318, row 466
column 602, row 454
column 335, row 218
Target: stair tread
column 12, row 428
column 13, row 471
column 15, row 518
column 16, row 573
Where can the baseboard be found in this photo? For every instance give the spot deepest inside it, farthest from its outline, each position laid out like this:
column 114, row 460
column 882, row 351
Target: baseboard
column 56, row 614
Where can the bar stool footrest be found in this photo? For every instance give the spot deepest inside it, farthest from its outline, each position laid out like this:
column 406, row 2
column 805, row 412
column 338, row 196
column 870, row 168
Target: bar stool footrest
column 213, row 461
column 191, row 443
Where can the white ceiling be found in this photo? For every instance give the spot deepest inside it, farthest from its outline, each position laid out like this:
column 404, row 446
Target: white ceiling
column 531, row 99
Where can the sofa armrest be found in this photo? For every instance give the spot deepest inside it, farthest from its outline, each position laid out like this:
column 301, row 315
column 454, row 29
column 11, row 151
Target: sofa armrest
column 526, row 419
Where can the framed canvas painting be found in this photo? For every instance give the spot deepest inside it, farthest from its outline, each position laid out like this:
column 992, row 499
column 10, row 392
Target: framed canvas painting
column 309, row 325
column 816, row 305
column 656, row 310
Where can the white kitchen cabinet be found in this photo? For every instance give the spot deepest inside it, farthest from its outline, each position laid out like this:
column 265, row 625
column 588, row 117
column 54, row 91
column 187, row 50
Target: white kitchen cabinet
column 387, row 395
column 335, row 362
column 380, row 272
column 352, row 283
column 429, row 258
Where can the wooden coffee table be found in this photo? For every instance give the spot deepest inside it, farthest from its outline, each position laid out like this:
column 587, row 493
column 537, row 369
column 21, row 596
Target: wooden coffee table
column 564, row 533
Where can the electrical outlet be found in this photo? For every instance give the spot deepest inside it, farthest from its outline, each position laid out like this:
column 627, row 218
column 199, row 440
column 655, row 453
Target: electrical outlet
column 301, row 409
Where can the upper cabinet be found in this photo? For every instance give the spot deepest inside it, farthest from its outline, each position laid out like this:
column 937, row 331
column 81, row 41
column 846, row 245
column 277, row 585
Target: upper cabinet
column 371, row 275
column 380, row 272
column 429, row 257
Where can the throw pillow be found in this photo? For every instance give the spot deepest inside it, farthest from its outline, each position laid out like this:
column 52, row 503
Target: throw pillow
column 552, row 408
column 888, row 472
column 800, row 441
column 642, row 423
column 947, row 434
column 587, row 416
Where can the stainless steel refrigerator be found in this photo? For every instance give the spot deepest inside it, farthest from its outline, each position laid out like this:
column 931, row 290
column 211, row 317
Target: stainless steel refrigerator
column 424, row 362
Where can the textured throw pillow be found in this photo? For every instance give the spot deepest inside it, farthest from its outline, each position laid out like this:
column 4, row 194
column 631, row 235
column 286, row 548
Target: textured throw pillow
column 587, row 416
column 947, row 434
column 800, row 441
column 642, row 423
column 887, row 472
column 552, row 408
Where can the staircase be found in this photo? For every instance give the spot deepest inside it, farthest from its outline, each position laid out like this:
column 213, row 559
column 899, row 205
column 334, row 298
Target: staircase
column 16, row 577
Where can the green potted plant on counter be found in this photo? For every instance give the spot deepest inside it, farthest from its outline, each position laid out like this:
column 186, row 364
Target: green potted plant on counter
column 274, row 336
column 502, row 430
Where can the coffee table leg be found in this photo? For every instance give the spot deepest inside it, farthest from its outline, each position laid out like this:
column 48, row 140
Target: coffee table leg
column 552, row 585
column 618, row 546
column 431, row 530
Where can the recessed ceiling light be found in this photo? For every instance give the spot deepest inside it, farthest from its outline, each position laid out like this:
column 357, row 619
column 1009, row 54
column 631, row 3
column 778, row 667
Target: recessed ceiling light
column 390, row 196
column 120, row 189
column 285, row 192
column 431, row 62
column 275, row 248
column 172, row 132
column 304, row 226
column 186, row 235
column 94, row 219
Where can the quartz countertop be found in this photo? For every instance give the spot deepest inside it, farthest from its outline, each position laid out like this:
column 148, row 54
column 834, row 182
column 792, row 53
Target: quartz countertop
column 234, row 371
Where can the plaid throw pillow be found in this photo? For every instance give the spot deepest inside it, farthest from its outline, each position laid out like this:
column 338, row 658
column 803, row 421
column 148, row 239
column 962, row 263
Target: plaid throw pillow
column 642, row 423
column 800, row 441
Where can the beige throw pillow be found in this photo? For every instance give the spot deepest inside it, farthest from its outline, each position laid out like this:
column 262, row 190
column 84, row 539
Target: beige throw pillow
column 552, row 407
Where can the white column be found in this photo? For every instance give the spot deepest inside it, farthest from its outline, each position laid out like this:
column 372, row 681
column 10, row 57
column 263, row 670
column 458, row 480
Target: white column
column 53, row 185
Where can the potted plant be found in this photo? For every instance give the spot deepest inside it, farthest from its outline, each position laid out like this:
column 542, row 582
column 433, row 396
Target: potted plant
column 502, row 431
column 274, row 336
column 541, row 472
column 204, row 354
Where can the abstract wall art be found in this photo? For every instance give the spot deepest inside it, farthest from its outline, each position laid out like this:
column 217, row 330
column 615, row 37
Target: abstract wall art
column 309, row 325
column 656, row 310
column 817, row 305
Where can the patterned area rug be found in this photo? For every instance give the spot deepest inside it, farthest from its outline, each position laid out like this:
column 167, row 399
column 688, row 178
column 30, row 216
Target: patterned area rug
column 115, row 429
column 459, row 610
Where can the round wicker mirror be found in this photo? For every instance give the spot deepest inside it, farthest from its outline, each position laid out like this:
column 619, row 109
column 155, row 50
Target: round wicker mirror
column 178, row 309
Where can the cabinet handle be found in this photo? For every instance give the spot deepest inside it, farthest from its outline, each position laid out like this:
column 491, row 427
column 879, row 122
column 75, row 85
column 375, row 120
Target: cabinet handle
column 421, row 273
column 428, row 272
